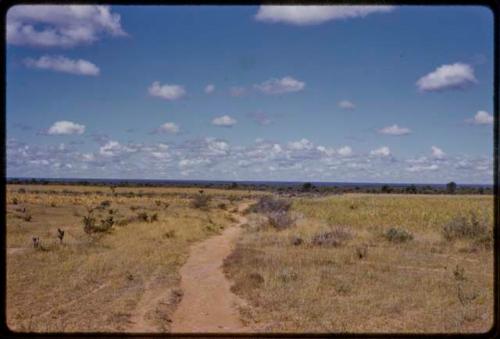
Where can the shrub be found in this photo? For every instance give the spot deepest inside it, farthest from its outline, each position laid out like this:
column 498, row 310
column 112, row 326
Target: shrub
column 21, row 190
column 398, row 235
column 461, row 227
column 335, row 237
column 27, row 217
column 153, row 217
column 88, row 224
column 280, row 220
column 296, row 241
column 269, row 204
column 200, row 201
column 169, row 234
column 105, row 225
column 14, row 201
column 105, row 204
column 222, row 206
column 142, row 216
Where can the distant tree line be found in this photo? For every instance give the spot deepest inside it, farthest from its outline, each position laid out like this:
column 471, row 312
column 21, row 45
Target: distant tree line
column 304, row 188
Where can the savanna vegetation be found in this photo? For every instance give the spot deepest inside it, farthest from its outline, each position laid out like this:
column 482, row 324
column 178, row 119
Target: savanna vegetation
column 101, row 258
column 366, row 263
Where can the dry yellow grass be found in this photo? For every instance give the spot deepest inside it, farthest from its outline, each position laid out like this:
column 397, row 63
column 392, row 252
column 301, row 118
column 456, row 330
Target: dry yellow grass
column 98, row 283
column 417, row 286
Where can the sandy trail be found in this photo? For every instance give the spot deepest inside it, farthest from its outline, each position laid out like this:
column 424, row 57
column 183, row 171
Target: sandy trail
column 208, row 305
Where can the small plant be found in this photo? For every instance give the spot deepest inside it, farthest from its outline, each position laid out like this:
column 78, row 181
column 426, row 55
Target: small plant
column 158, row 203
column 461, row 227
column 21, row 190
column 296, row 241
column 14, row 201
column 105, row 204
column 361, row 252
column 280, row 220
column 153, row 217
column 60, row 235
column 53, row 204
column 269, row 204
column 222, row 206
column 459, row 273
column 88, row 222
column 36, row 242
column 200, row 201
column 169, row 234
column 142, row 216
column 335, row 237
column 398, row 235
column 27, row 217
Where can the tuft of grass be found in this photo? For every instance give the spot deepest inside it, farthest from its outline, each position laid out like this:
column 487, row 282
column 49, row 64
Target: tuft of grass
column 201, row 201
column 398, row 235
column 280, row 220
column 336, row 237
column 466, row 227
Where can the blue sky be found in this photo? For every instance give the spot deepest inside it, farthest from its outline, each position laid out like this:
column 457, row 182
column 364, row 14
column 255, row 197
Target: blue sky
column 331, row 93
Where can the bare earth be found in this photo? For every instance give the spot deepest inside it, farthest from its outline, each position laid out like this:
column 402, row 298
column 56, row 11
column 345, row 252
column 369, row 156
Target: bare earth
column 208, row 305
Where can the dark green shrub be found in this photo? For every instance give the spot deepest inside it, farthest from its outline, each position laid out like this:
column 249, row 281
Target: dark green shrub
column 398, row 235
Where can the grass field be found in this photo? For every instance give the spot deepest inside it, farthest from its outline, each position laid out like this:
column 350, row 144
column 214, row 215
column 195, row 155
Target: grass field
column 365, row 280
column 341, row 263
column 95, row 283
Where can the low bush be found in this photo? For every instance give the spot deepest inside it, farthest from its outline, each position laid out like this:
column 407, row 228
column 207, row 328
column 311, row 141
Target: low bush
column 280, row 220
column 269, row 204
column 336, row 237
column 462, row 227
column 398, row 235
column 200, row 201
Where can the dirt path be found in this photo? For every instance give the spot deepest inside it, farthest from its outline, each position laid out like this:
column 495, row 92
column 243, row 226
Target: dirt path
column 208, row 305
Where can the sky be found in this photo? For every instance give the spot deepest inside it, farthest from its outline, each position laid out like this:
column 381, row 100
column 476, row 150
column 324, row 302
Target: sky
column 395, row 94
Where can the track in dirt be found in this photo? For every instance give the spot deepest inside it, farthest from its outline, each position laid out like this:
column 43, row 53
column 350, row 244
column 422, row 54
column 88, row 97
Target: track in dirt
column 208, row 305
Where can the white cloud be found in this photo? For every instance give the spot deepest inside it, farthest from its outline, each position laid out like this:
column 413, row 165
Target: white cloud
column 383, row 151
column 418, row 168
column 66, row 127
column 346, row 104
column 169, row 127
column 209, row 88
column 483, row 118
column 167, row 92
column 279, row 86
column 113, row 148
column 300, row 145
column 60, row 25
column 326, row 150
column 344, row 151
column 395, row 130
column 216, row 146
column 62, row 64
column 453, row 76
column 437, row 152
column 310, row 15
column 224, row 120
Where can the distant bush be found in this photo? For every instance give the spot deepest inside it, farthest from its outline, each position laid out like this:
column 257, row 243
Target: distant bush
column 269, row 204
column 222, row 206
column 200, row 201
column 398, row 235
column 462, row 227
column 105, row 204
column 280, row 220
column 21, row 190
column 15, row 201
column 335, row 237
column 142, row 216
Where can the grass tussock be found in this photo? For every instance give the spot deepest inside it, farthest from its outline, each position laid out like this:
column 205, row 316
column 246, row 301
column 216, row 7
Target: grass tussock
column 398, row 235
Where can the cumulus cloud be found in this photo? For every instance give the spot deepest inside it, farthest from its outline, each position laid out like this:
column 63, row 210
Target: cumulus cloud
column 169, row 127
column 66, row 127
column 62, row 64
column 394, row 130
column 344, row 151
column 453, row 76
column 482, row 118
column 437, row 152
column 209, row 88
column 310, row 15
column 300, row 145
column 419, row 168
column 383, row 151
column 279, row 86
column 61, row 25
column 225, row 121
column 346, row 104
column 167, row 92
